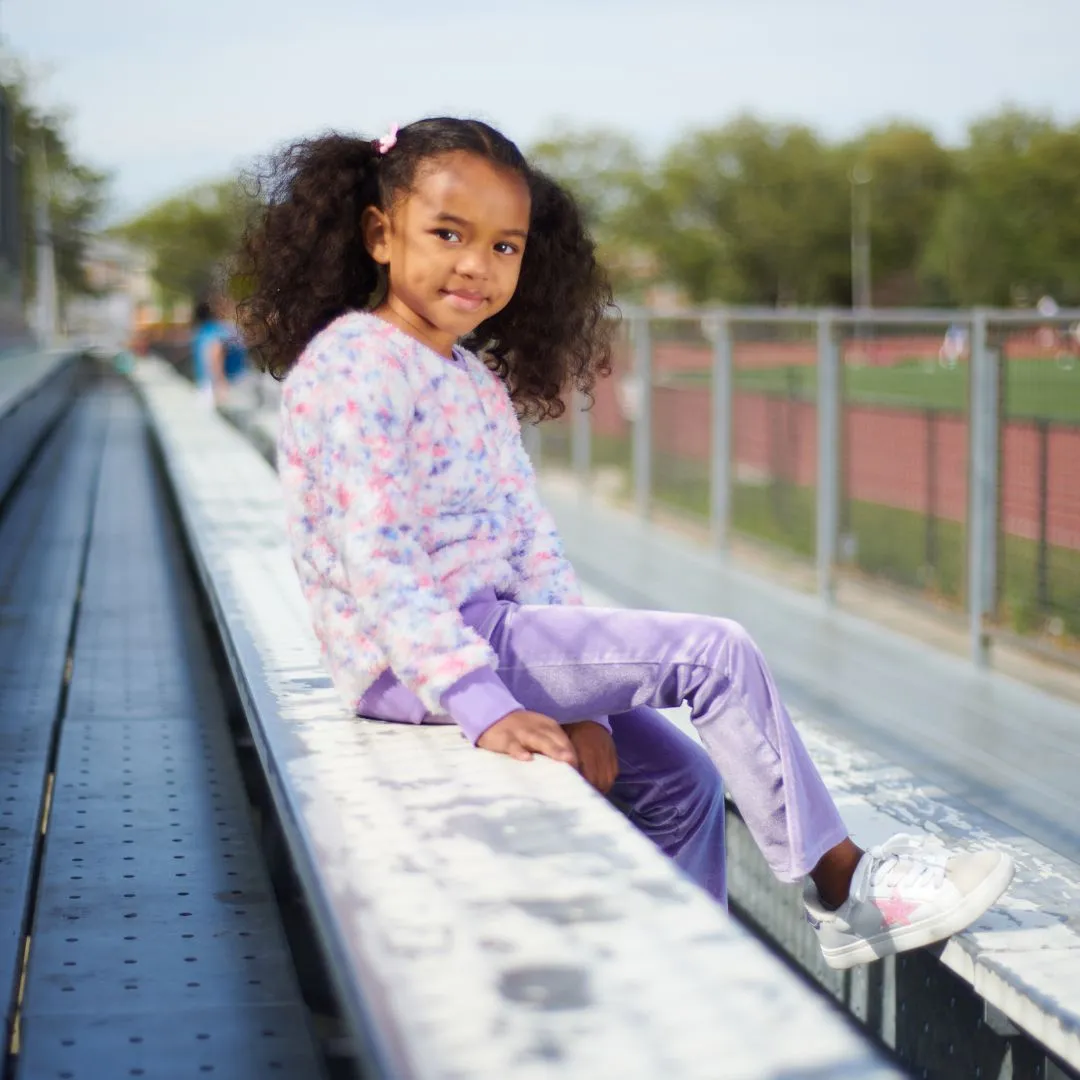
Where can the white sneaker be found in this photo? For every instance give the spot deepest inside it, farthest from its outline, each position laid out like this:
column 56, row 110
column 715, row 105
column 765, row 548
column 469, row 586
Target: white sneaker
column 906, row 894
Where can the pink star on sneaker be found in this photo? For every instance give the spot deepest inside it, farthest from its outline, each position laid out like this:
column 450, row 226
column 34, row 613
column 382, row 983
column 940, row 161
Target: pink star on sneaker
column 895, row 910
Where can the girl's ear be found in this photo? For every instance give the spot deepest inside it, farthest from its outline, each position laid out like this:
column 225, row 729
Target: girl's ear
column 375, row 226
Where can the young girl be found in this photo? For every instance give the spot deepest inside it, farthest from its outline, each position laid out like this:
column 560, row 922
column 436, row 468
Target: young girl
column 417, row 293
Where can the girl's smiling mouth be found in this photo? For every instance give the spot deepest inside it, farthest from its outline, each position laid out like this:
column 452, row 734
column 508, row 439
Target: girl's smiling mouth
column 464, row 299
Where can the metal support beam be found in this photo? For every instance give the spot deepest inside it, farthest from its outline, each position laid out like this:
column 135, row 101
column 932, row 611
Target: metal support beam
column 983, row 446
column 581, row 440
column 720, row 475
column 642, row 398
column 828, row 479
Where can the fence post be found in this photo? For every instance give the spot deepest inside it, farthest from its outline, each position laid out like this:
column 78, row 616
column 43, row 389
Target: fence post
column 581, row 440
column 1042, row 551
column 828, row 480
column 643, row 415
column 931, row 556
column 530, row 436
column 983, row 449
column 722, row 432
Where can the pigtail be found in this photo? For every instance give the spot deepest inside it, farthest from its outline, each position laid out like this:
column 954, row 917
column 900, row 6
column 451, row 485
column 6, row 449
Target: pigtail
column 302, row 260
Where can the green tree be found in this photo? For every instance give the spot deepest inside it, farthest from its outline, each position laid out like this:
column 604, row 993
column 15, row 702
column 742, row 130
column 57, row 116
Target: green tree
column 77, row 192
column 908, row 177
column 1009, row 230
column 753, row 212
column 190, row 237
column 605, row 172
column 750, row 213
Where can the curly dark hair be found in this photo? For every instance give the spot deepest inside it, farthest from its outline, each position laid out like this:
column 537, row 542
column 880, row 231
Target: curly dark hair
column 303, row 261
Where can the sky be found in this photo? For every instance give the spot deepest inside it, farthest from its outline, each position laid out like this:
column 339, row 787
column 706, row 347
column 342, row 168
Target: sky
column 165, row 94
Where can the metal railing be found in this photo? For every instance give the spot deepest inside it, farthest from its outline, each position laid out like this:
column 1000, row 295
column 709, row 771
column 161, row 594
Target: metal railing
column 937, row 450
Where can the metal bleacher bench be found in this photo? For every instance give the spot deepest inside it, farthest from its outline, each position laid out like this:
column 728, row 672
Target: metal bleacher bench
column 138, row 930
column 34, row 389
column 1000, row 1000
column 479, row 917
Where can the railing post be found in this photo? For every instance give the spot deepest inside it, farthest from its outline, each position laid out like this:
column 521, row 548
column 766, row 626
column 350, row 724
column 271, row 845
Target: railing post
column 722, row 431
column 1042, row 550
column 983, row 453
column 530, row 437
column 581, row 440
column 643, row 415
column 930, row 556
column 828, row 480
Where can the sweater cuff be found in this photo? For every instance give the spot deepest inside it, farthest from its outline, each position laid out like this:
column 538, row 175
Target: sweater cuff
column 478, row 700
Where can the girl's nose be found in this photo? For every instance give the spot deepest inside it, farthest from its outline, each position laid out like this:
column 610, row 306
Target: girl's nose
column 474, row 263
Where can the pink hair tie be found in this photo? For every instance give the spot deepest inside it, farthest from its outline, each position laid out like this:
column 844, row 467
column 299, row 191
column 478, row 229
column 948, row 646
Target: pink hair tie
column 388, row 141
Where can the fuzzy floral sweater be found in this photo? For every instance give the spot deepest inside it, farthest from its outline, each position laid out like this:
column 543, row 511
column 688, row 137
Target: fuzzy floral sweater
column 407, row 492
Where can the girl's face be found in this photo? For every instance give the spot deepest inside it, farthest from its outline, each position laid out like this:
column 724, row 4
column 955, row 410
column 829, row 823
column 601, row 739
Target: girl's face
column 452, row 247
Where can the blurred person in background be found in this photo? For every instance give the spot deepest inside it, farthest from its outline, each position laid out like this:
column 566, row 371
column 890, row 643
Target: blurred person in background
column 220, row 361
column 209, row 346
column 237, row 369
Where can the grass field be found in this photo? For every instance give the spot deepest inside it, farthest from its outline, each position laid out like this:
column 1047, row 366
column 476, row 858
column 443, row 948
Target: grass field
column 900, row 546
column 1033, row 388
column 894, row 544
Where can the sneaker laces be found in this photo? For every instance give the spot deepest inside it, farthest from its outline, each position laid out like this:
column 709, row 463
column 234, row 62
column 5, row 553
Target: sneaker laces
column 928, row 847
column 906, row 862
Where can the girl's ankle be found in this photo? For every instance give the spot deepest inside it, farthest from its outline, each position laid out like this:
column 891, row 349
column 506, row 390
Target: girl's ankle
column 834, row 871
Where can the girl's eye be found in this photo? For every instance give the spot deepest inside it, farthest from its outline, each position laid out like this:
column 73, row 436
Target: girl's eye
column 448, row 235
column 504, row 247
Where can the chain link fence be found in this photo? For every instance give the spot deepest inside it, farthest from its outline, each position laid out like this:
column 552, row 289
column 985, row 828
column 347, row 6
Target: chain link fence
column 904, row 454
column 1037, row 571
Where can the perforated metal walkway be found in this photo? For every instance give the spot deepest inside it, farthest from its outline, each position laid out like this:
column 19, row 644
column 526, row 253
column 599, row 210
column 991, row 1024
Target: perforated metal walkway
column 155, row 943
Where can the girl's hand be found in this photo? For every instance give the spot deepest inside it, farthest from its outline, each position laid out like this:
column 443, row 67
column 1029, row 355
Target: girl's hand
column 596, row 751
column 520, row 734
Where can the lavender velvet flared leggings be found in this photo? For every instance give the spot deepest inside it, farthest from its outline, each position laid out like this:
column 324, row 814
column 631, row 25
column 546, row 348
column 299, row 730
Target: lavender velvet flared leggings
column 573, row 663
